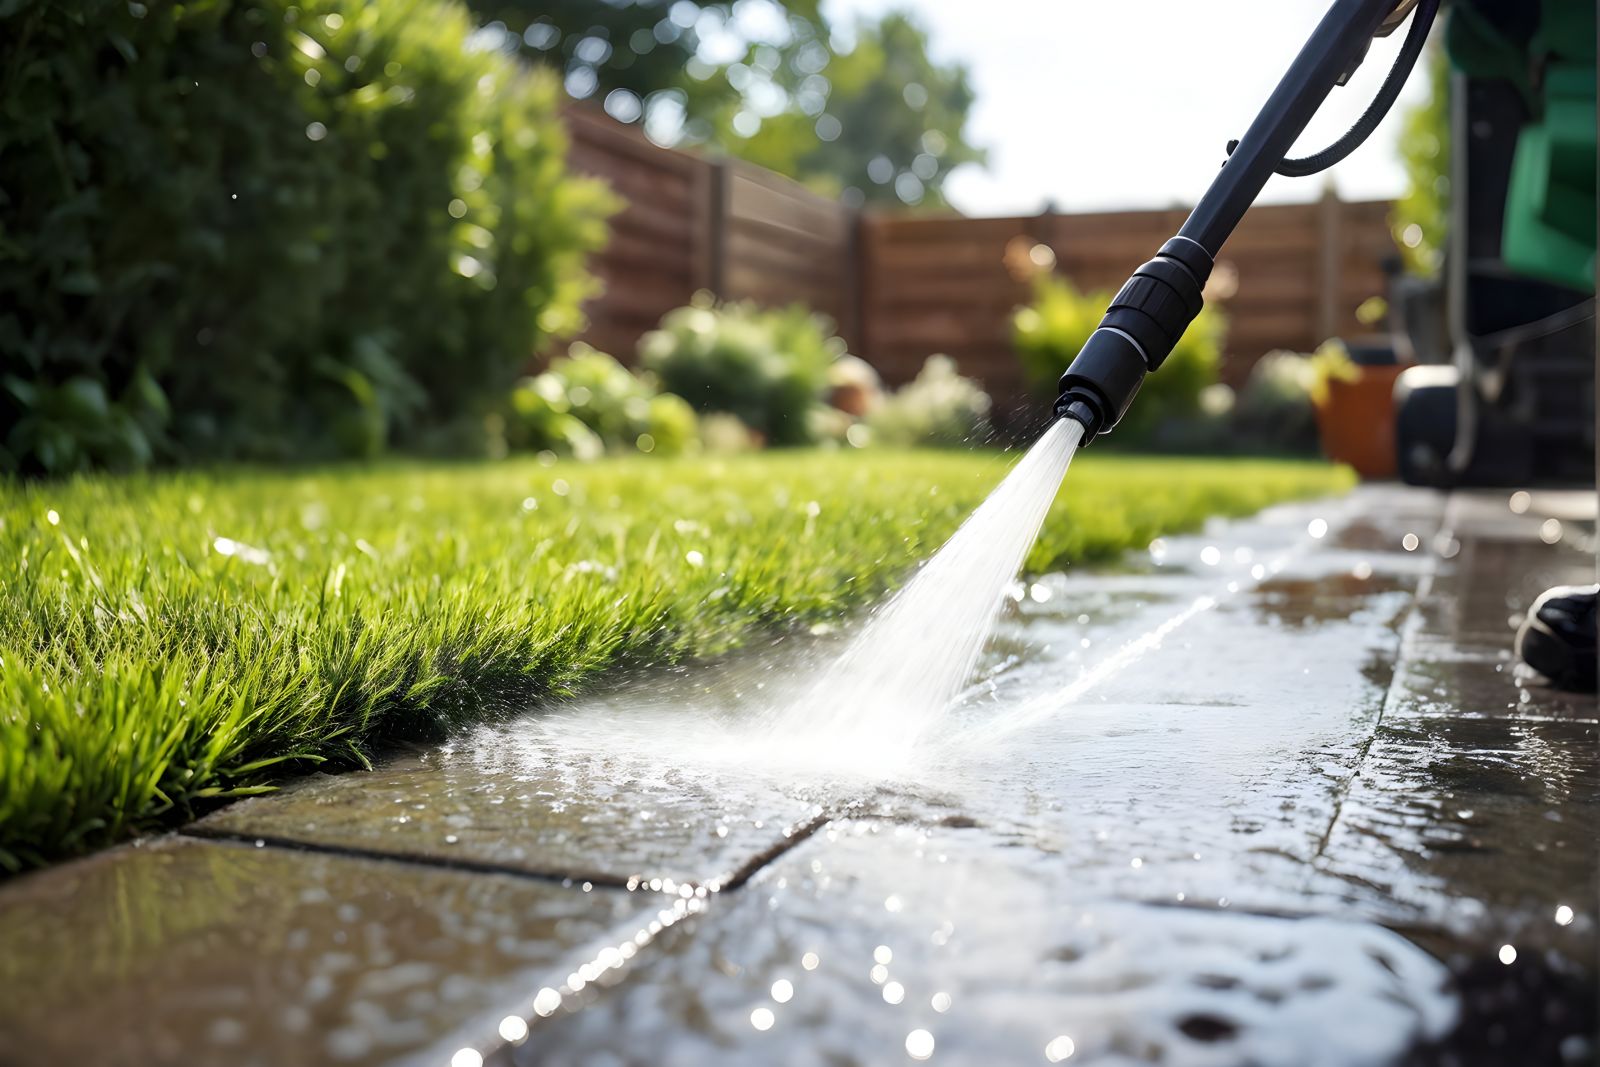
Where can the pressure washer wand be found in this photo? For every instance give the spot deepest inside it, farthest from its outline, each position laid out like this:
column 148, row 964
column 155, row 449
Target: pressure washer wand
column 1150, row 313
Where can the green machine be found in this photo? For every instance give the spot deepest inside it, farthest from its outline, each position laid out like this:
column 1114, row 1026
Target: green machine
column 1505, row 338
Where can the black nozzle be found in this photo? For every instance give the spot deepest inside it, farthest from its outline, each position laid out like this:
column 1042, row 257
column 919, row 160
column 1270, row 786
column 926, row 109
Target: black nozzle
column 1102, row 381
column 1143, row 323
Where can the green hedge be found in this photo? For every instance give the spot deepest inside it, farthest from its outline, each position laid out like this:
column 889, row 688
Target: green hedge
column 252, row 228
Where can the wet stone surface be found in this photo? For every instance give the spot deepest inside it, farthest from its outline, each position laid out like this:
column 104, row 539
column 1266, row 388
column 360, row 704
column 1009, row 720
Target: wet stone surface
column 504, row 797
column 1267, row 794
column 197, row 952
column 873, row 934
column 1298, row 826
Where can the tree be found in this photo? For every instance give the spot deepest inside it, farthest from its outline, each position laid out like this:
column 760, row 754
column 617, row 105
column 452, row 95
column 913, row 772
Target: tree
column 762, row 80
column 887, row 127
column 665, row 61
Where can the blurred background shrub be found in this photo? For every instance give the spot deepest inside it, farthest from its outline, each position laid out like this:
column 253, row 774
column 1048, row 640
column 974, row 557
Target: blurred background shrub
column 587, row 403
column 1049, row 332
column 768, row 367
column 267, row 229
column 939, row 408
column 1274, row 410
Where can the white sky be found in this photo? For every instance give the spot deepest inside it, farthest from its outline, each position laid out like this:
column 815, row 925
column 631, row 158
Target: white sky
column 1130, row 103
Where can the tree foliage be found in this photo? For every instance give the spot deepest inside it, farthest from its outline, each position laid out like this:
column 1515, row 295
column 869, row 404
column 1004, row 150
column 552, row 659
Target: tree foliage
column 892, row 126
column 864, row 113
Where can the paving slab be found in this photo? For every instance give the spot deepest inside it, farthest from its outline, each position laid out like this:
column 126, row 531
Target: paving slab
column 182, row 951
column 502, row 798
column 875, row 938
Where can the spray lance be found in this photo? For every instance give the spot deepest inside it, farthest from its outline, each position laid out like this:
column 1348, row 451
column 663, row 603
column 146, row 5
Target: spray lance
column 1150, row 313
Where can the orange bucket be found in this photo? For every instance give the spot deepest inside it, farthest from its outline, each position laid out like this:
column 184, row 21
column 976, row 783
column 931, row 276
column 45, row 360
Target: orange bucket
column 1356, row 423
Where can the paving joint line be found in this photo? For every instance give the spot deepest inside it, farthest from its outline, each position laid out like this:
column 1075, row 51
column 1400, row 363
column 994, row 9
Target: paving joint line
column 1403, row 656
column 413, row 859
column 732, row 880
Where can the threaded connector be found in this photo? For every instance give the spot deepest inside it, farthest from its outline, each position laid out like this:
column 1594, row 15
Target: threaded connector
column 1140, row 328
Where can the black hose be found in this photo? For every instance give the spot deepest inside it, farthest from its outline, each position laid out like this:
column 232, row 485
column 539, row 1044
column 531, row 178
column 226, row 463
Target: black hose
column 1388, row 92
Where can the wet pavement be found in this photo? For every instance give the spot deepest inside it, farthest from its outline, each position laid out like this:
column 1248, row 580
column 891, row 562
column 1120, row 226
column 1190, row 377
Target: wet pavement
column 1268, row 794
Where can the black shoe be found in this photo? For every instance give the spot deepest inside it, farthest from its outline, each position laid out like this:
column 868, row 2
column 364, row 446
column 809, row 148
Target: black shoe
column 1558, row 637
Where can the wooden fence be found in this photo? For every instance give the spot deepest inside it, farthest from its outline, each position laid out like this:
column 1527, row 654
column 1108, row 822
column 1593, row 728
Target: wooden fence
column 690, row 223
column 942, row 284
column 901, row 287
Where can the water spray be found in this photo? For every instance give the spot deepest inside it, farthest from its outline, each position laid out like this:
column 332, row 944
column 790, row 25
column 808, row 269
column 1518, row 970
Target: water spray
column 919, row 649
column 1150, row 313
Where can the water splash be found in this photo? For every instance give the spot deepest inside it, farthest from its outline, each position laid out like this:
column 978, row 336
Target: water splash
column 918, row 651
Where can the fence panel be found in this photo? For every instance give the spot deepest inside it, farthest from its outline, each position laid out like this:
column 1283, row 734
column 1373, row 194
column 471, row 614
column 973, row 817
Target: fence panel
column 659, row 250
column 689, row 223
column 901, row 288
column 945, row 284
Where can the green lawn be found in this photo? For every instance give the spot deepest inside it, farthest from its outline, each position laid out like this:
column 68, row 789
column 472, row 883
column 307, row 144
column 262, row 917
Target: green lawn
column 167, row 641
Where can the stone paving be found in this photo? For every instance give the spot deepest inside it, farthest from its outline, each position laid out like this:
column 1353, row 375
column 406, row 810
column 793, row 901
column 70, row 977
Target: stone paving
column 1270, row 796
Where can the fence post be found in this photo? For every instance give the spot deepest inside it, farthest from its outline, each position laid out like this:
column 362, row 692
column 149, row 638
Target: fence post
column 721, row 195
column 856, row 282
column 1330, row 260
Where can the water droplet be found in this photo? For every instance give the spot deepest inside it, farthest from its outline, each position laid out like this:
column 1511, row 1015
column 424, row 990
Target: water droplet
column 883, row 954
column 1211, row 555
column 941, row 1002
column 1317, row 528
column 894, row 993
column 1520, row 501
column 1563, row 916
column 52, row 517
column 783, row 991
column 1508, row 954
column 1410, row 542
column 546, row 1002
column 513, row 1028
column 1059, row 1048
column 762, row 1019
column 919, row 1044
column 467, row 1057
column 810, row 961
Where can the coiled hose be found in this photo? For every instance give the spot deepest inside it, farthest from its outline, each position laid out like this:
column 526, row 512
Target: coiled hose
column 1388, row 92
